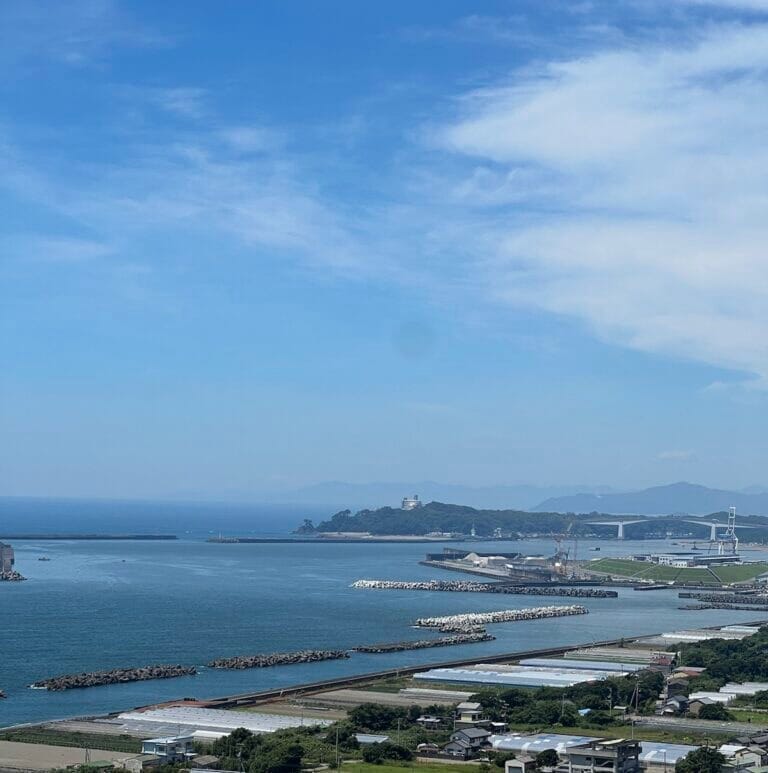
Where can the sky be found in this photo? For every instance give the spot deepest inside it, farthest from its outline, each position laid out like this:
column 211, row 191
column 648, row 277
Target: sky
column 251, row 246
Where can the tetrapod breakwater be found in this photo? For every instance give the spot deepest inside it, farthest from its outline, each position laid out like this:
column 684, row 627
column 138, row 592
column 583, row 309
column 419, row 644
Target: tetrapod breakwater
column 443, row 641
column 730, row 598
column 278, row 659
column 114, row 676
column 459, row 623
column 471, row 586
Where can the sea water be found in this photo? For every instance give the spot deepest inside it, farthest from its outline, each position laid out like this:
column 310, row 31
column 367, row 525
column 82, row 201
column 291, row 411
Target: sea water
column 101, row 605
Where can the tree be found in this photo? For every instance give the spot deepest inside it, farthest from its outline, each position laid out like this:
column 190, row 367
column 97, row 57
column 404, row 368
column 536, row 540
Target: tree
column 715, row 711
column 378, row 752
column 547, row 759
column 703, row 760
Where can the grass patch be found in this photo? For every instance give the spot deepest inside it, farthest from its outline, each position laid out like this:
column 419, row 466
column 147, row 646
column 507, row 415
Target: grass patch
column 415, row 767
column 745, row 715
column 621, row 731
column 698, row 577
column 107, row 743
column 729, row 574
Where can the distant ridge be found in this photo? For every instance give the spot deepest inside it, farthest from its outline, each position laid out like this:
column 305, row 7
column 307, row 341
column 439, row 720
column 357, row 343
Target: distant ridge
column 376, row 494
column 660, row 500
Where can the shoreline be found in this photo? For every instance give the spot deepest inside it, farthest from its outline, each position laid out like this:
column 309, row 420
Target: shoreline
column 241, row 700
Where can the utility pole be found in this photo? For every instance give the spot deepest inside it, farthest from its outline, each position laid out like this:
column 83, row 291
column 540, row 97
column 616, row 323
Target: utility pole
column 337, row 748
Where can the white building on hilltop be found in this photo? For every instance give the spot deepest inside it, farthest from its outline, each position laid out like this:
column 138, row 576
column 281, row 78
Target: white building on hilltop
column 411, row 503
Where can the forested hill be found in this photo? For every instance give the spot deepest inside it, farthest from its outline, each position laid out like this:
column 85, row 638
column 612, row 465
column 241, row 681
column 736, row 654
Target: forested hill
column 441, row 517
column 460, row 519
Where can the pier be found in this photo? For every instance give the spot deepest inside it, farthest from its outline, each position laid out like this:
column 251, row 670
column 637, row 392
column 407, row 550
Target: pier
column 473, row 586
column 463, row 621
column 115, row 676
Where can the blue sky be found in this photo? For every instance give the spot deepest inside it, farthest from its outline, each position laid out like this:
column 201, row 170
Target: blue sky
column 256, row 245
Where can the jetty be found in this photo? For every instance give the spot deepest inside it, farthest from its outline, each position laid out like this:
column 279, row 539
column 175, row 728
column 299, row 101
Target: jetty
column 115, row 676
column 460, row 622
column 473, row 586
column 278, row 659
column 443, row 641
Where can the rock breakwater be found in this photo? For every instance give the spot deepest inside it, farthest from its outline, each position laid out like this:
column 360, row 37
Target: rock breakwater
column 115, row 676
column 461, row 622
column 724, row 605
column 730, row 598
column 12, row 576
column 471, row 586
column 443, row 641
column 278, row 659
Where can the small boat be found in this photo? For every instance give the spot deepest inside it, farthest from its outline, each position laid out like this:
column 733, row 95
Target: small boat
column 2, row 694
column 43, row 558
column 595, row 549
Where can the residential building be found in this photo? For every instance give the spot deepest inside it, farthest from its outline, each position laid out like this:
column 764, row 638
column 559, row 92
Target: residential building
column 612, row 756
column 521, row 764
column 468, row 713
column 476, row 737
column 173, row 749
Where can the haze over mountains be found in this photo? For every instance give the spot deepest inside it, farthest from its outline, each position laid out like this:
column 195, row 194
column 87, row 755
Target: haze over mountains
column 657, row 500
column 662, row 500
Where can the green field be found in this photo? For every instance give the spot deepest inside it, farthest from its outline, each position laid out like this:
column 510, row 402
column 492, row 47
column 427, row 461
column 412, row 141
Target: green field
column 729, row 574
column 406, row 767
column 643, row 570
column 39, row 735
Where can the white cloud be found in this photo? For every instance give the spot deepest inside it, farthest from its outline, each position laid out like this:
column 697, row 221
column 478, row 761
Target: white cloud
column 656, row 236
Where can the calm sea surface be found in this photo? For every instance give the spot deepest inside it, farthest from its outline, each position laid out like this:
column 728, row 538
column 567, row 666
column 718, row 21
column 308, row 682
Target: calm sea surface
column 103, row 605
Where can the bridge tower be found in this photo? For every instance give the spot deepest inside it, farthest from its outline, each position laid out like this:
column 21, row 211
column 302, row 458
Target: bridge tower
column 729, row 543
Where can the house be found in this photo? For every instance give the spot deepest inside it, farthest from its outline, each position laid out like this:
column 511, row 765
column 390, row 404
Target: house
column 604, row 756
column 678, row 684
column 206, row 762
column 696, row 705
column 743, row 757
column 141, row 762
column 676, row 704
column 468, row 713
column 460, row 749
column 172, row 749
column 476, row 737
column 522, row 764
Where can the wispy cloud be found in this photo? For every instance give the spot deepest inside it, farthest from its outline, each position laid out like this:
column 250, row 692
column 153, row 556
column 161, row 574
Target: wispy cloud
column 71, row 32
column 675, row 455
column 655, row 234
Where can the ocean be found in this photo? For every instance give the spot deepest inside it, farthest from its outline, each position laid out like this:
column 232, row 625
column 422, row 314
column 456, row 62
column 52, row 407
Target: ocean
column 99, row 605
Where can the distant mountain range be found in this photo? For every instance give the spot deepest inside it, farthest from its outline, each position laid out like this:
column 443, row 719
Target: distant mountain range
column 375, row 495
column 661, row 500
